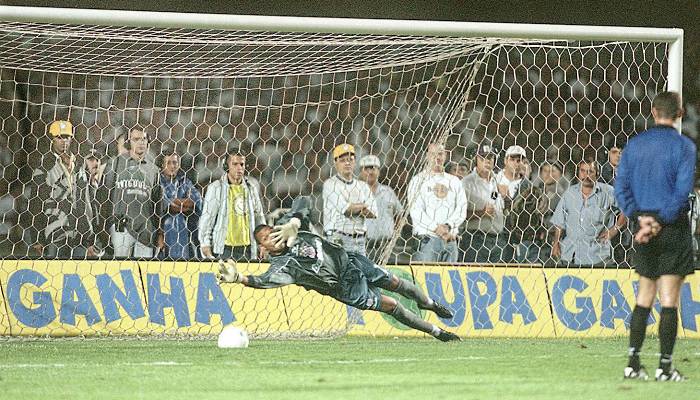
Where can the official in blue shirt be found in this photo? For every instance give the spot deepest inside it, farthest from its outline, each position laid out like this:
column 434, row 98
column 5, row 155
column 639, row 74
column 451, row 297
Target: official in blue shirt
column 654, row 179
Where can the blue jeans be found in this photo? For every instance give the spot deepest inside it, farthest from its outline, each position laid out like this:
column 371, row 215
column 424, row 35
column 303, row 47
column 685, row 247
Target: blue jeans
column 483, row 247
column 435, row 249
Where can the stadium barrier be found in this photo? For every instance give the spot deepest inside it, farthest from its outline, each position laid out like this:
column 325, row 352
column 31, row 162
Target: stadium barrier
column 70, row 298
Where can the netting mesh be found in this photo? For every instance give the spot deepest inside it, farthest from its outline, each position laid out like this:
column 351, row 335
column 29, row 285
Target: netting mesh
column 287, row 100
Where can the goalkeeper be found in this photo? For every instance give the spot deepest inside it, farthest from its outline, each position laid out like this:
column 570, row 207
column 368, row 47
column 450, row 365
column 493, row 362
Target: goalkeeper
column 302, row 258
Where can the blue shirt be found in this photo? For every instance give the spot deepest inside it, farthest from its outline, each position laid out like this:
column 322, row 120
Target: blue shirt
column 583, row 220
column 656, row 174
column 179, row 229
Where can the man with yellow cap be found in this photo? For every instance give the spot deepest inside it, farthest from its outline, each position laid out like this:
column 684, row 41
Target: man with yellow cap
column 62, row 215
column 347, row 203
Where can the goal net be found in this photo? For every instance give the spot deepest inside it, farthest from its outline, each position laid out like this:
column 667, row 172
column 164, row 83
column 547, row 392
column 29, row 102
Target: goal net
column 286, row 100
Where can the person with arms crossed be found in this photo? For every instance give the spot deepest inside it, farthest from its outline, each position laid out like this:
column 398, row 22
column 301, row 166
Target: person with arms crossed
column 183, row 203
column 232, row 209
column 381, row 229
column 307, row 260
column 654, row 178
column 438, row 206
column 484, row 240
column 347, row 203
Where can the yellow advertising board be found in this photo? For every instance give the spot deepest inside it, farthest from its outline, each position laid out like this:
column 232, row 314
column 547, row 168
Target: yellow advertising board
column 61, row 298
column 690, row 307
column 186, row 298
column 486, row 302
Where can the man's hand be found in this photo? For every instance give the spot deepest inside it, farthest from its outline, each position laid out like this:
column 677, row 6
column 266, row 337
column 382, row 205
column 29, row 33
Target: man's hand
column 488, row 211
column 556, row 250
column 228, row 272
column 608, row 234
column 286, row 233
column 39, row 248
column 91, row 251
column 206, row 252
column 649, row 227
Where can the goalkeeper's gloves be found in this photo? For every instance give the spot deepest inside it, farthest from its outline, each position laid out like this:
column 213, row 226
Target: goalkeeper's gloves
column 228, row 272
column 286, row 233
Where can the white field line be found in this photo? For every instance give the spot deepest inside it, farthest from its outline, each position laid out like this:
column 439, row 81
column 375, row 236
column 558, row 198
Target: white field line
column 293, row 363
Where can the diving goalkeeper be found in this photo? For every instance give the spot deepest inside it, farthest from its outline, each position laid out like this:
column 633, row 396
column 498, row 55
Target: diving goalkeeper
column 304, row 259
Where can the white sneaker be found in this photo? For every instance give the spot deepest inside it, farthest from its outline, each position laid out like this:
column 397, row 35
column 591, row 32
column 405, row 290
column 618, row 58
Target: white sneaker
column 640, row 374
column 672, row 376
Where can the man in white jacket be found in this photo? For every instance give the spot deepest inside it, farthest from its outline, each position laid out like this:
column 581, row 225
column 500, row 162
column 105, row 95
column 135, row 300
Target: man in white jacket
column 438, row 206
column 232, row 209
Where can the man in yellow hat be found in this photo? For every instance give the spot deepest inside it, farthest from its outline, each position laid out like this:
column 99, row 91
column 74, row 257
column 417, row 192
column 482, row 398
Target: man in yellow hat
column 347, row 202
column 62, row 216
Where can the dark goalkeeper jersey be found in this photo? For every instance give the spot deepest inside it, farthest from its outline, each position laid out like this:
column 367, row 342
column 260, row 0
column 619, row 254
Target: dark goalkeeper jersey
column 312, row 263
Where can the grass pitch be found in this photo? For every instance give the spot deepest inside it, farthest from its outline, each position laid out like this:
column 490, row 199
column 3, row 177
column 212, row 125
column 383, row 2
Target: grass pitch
column 347, row 368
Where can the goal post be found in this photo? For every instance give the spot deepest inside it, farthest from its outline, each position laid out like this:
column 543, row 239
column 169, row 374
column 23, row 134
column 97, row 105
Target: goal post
column 286, row 91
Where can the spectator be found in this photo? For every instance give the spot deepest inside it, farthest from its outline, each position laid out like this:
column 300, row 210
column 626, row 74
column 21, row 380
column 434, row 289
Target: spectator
column 512, row 174
column 380, row 230
column 586, row 219
column 438, row 206
column 524, row 221
column 484, row 239
column 232, row 209
column 60, row 209
column 460, row 169
column 89, row 178
column 553, row 185
column 182, row 205
column 347, row 203
column 130, row 200
column 609, row 169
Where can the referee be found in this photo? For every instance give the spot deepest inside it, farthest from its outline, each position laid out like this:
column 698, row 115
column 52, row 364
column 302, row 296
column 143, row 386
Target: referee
column 654, row 179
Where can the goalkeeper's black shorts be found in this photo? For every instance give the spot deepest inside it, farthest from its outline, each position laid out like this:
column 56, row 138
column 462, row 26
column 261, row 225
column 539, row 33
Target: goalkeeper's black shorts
column 669, row 253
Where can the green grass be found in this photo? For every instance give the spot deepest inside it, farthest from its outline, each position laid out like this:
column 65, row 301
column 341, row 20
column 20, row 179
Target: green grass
column 348, row 368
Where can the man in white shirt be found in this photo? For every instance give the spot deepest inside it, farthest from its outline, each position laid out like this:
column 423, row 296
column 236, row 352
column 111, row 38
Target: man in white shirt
column 438, row 206
column 381, row 229
column 347, row 203
column 484, row 239
column 512, row 174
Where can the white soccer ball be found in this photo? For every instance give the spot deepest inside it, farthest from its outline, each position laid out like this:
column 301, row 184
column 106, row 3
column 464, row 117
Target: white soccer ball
column 232, row 337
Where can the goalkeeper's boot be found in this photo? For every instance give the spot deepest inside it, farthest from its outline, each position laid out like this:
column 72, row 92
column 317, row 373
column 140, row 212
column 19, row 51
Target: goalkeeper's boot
column 672, row 375
column 440, row 310
column 640, row 374
column 446, row 336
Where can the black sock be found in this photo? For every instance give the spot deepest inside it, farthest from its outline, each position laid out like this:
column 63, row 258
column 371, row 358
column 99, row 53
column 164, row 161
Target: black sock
column 638, row 330
column 413, row 292
column 668, row 328
column 410, row 319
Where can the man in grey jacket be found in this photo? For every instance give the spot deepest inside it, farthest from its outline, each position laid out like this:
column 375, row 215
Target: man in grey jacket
column 130, row 200
column 232, row 209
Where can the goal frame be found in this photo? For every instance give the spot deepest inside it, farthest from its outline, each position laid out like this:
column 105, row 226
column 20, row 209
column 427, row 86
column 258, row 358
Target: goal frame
column 672, row 36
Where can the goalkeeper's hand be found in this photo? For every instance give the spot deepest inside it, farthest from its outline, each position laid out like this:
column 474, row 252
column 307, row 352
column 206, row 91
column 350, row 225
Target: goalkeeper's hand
column 649, row 227
column 228, row 272
column 287, row 233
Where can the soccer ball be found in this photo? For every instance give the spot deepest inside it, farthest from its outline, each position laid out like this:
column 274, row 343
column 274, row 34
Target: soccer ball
column 232, row 337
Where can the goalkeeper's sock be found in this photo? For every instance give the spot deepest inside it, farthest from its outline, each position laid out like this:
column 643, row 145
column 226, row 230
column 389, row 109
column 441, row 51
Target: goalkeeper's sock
column 410, row 319
column 668, row 328
column 638, row 329
column 412, row 291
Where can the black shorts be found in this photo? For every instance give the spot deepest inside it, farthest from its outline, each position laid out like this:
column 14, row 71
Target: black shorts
column 669, row 253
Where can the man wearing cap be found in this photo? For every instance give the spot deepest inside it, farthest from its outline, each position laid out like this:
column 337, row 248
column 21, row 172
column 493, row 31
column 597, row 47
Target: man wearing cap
column 484, row 240
column 347, row 203
column 510, row 177
column 62, row 212
column 380, row 229
column 438, row 206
